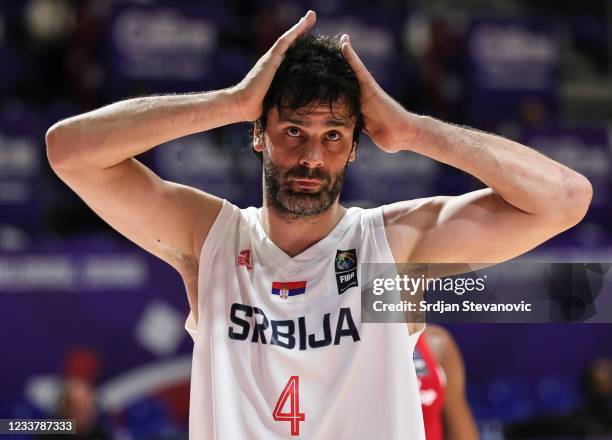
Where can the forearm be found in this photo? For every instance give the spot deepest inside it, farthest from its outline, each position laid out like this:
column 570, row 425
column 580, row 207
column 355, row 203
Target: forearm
column 114, row 133
column 523, row 177
column 459, row 423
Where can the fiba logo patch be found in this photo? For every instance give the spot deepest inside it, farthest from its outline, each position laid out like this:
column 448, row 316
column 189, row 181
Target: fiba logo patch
column 345, row 266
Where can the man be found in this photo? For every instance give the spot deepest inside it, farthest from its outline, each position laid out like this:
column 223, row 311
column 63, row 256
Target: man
column 441, row 373
column 77, row 401
column 279, row 347
column 591, row 419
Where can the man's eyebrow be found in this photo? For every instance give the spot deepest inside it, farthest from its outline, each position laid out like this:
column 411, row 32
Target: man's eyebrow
column 307, row 123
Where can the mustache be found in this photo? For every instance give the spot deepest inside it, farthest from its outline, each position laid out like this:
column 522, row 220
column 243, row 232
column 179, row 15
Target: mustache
column 302, row 172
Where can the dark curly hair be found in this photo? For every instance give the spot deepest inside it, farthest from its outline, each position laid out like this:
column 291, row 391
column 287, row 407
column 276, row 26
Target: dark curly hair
column 313, row 72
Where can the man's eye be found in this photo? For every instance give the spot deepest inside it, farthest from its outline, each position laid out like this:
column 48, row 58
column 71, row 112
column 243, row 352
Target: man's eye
column 333, row 135
column 293, row 131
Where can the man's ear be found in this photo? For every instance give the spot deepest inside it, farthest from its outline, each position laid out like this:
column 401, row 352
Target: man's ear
column 353, row 153
column 258, row 143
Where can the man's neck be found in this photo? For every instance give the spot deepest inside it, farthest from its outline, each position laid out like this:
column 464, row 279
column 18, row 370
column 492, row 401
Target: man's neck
column 295, row 236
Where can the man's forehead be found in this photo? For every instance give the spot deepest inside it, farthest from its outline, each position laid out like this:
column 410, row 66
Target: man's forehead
column 338, row 112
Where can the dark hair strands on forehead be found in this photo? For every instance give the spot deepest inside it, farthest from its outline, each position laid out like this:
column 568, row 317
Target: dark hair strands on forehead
column 314, row 72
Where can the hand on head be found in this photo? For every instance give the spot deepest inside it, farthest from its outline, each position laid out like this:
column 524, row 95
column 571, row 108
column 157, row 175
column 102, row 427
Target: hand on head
column 386, row 122
column 385, row 119
column 250, row 92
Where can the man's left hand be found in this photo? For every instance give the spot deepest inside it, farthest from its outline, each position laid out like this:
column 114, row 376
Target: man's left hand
column 387, row 123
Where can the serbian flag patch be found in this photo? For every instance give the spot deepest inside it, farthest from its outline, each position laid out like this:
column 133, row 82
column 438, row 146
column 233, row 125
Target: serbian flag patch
column 285, row 290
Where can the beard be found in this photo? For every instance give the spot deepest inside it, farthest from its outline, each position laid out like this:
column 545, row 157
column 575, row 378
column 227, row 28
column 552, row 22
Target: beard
column 292, row 204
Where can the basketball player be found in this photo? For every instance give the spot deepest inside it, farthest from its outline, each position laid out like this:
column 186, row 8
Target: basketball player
column 279, row 348
column 441, row 376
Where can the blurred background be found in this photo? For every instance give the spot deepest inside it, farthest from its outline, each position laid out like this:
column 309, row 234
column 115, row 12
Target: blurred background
column 91, row 327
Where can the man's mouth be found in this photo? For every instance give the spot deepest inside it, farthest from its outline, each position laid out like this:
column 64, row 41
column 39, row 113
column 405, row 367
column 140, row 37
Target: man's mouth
column 307, row 183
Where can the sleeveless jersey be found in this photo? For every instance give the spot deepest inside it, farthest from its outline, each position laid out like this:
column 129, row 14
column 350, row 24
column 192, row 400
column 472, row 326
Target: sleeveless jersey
column 431, row 388
column 279, row 349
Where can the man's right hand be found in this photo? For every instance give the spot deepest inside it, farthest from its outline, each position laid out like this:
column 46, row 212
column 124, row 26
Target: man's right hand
column 250, row 92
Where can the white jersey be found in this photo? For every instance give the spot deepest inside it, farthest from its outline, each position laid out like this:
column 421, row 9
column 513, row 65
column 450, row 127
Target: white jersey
column 280, row 351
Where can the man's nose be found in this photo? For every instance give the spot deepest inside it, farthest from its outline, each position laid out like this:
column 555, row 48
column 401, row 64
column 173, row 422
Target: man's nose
column 312, row 154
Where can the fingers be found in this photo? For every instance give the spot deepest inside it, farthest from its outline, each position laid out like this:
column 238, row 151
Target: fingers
column 302, row 26
column 363, row 75
column 298, row 29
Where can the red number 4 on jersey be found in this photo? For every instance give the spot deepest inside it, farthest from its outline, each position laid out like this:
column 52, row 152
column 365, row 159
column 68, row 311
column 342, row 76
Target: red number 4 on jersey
column 291, row 392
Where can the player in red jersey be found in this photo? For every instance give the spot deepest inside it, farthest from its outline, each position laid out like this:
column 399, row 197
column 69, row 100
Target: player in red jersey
column 441, row 375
